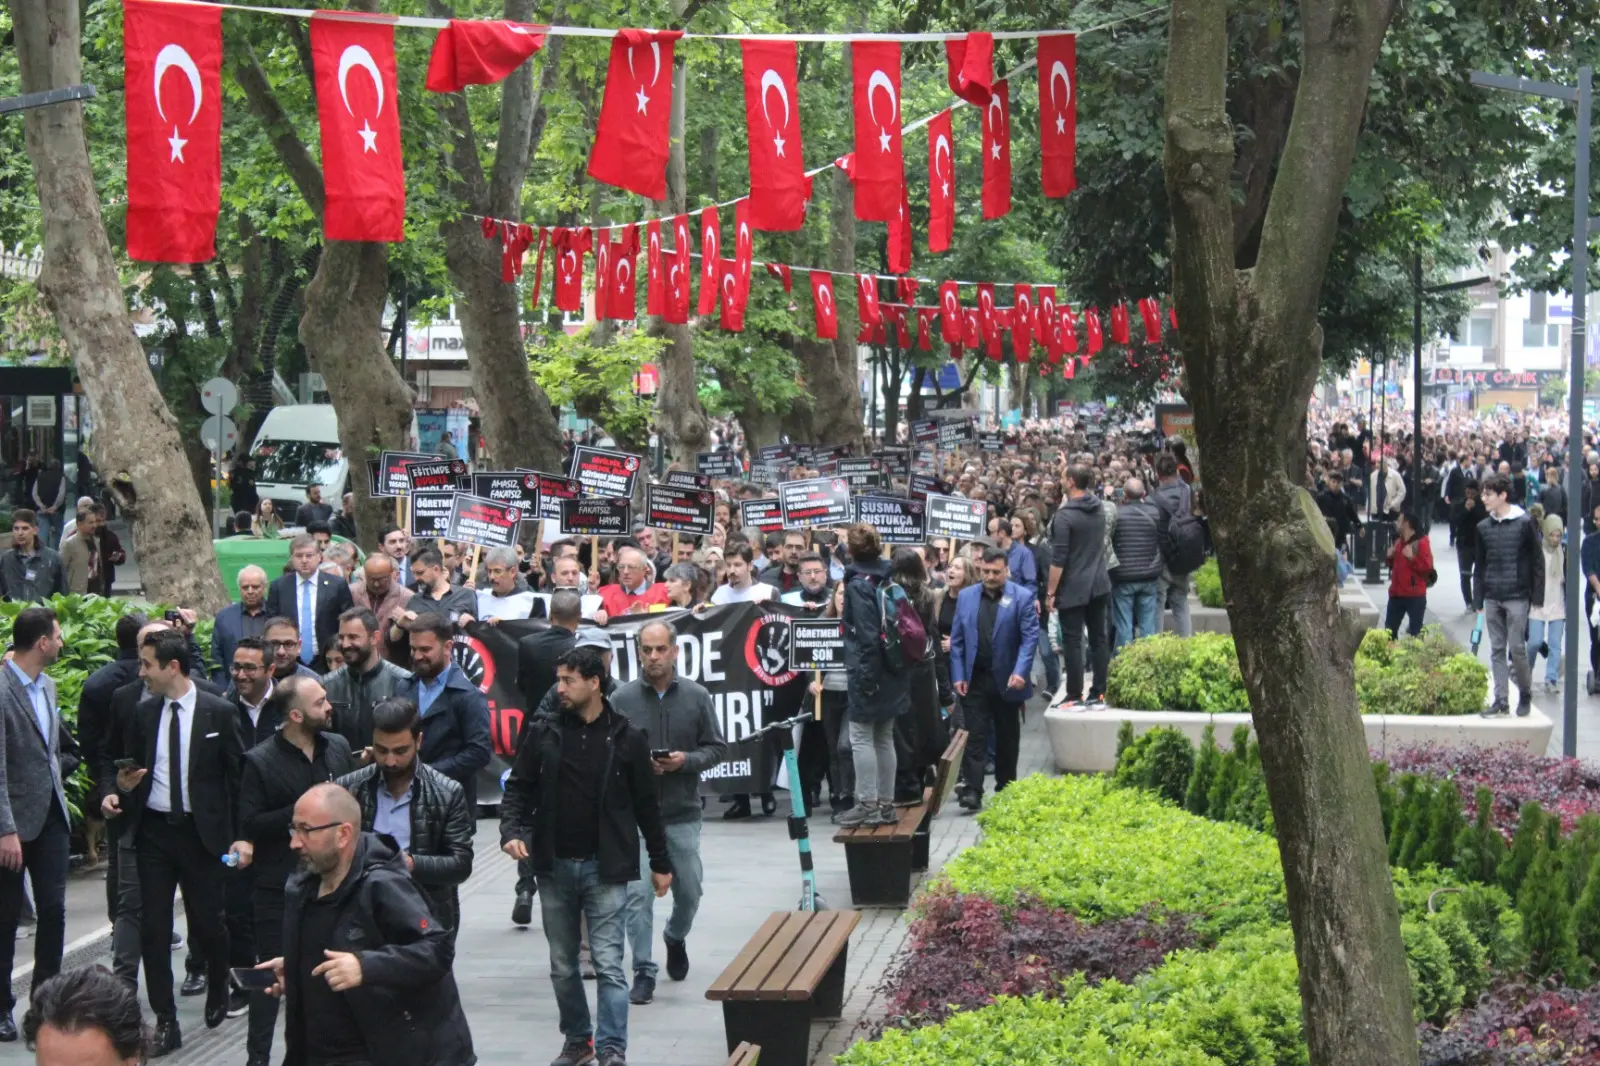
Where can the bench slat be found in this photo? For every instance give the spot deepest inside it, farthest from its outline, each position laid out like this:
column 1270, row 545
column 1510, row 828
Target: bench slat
column 746, row 1054
column 756, row 976
column 723, row 986
column 949, row 769
column 811, row 974
column 907, row 821
column 779, row 981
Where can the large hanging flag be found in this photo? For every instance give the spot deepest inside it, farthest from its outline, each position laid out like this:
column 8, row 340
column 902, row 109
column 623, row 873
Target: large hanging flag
column 941, row 183
column 1150, row 311
column 710, row 257
column 358, row 107
column 679, row 273
column 570, row 244
column 827, row 311
column 1091, row 326
column 743, row 246
column 779, row 187
column 733, row 296
column 1069, row 331
column 997, row 152
column 174, row 127
column 1119, row 323
column 867, row 300
column 474, row 52
column 631, row 141
column 1047, row 324
column 622, row 302
column 970, row 66
column 971, row 329
column 879, row 166
column 1058, row 113
column 925, row 316
column 655, row 288
column 899, row 244
column 949, row 312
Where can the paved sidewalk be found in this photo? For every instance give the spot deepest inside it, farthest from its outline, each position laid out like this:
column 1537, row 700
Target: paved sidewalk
column 752, row 869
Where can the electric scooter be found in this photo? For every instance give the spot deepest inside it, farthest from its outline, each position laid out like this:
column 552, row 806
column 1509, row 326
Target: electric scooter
column 799, row 828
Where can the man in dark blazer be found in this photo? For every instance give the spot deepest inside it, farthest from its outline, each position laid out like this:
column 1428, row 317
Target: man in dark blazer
column 33, row 806
column 456, row 739
column 180, row 800
column 538, row 652
column 247, row 618
column 992, row 643
column 313, row 599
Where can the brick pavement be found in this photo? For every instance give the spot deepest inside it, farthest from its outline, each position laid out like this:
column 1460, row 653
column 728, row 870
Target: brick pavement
column 752, row 869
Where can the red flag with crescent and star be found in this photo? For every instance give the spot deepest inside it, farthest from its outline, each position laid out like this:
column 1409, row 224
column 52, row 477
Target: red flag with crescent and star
column 631, row 140
column 570, row 244
column 679, row 272
column 174, row 127
column 1069, row 330
column 941, row 183
column 1058, row 113
column 1022, row 321
column 655, row 288
column 743, row 243
column 733, row 296
column 781, row 272
column 827, row 310
column 358, row 108
column 779, row 187
column 969, row 63
column 1047, row 322
column 986, row 324
column 971, row 329
column 879, row 165
column 867, row 311
column 1091, row 326
column 479, row 52
column 1150, row 311
column 1119, row 323
column 925, row 317
column 622, row 302
column 710, row 256
column 949, row 312
column 997, row 152
column 602, row 272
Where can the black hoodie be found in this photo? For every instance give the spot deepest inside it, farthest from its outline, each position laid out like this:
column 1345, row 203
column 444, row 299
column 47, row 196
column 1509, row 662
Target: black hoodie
column 1078, row 547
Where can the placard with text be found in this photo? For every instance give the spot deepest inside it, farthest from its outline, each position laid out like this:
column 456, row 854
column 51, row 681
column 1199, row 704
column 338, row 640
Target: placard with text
column 765, row 514
column 430, row 513
column 956, row 433
column 956, row 517
column 485, row 522
column 680, row 510
column 687, row 479
column 553, row 490
column 718, row 464
column 392, row 471
column 897, row 521
column 520, row 487
column 816, row 644
column 434, row 474
column 920, row 485
column 596, row 516
column 818, row 501
column 603, row 473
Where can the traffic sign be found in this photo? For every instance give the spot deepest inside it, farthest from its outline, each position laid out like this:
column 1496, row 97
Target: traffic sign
column 219, row 434
column 219, row 396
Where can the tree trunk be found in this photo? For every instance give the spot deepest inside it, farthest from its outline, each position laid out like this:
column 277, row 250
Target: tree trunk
column 893, row 374
column 1252, row 350
column 832, row 374
column 136, row 437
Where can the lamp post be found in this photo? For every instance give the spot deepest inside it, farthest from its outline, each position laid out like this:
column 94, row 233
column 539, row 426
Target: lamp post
column 1581, row 96
column 1418, row 291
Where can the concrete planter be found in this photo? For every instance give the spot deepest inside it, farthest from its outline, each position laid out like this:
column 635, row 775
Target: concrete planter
column 1215, row 619
column 1086, row 741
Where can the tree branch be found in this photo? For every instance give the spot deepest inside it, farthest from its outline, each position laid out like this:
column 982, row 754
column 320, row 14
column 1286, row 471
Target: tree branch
column 264, row 104
column 520, row 103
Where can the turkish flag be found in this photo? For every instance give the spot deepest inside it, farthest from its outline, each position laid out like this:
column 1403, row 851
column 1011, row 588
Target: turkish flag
column 970, row 67
column 997, row 152
column 1091, row 326
column 899, row 244
column 174, row 128
column 743, row 248
column 622, row 302
column 827, row 311
column 570, row 244
column 986, row 309
column 1172, row 316
column 941, row 183
column 358, row 106
column 514, row 241
column 1022, row 317
column 949, row 312
column 710, row 255
column 1046, row 320
column 538, row 267
column 631, row 142
column 779, row 187
column 678, row 274
column 879, row 167
column 655, row 290
column 1058, row 113
column 905, row 289
column 925, row 328
column 1070, row 371
column 993, row 349
column 867, row 300
column 732, row 296
column 1150, row 311
column 1119, row 323
column 1069, row 331
column 896, row 314
column 781, row 272
column 473, row 52
column 971, row 329
column 602, row 272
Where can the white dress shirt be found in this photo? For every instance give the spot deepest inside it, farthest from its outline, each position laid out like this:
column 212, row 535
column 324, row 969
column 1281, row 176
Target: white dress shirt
column 254, row 709
column 306, row 588
column 160, row 773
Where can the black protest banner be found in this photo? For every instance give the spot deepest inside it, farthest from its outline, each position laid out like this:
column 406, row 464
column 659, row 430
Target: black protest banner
column 897, row 521
column 894, row 460
column 764, row 514
column 767, row 471
column 596, row 516
column 956, row 518
column 955, row 433
column 520, row 487
column 925, row 431
column 860, row 473
column 774, row 452
column 434, row 474
column 430, row 513
column 992, row 441
column 392, row 471
column 680, row 510
column 486, row 523
column 831, row 451
column 552, row 490
column 816, row 644
column 375, row 486
column 921, row 485
column 818, row 501
column 687, row 479
column 739, row 653
column 602, row 473
column 718, row 464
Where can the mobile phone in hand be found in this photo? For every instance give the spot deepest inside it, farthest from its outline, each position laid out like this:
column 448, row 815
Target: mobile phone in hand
column 127, row 764
column 661, row 753
column 249, row 979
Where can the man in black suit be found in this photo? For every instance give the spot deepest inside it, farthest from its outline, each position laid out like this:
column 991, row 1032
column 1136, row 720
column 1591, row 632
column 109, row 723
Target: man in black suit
column 315, row 601
column 180, row 803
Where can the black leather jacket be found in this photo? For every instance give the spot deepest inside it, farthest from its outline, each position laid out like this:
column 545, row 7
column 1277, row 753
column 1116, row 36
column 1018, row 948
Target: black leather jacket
column 441, row 832
column 353, row 698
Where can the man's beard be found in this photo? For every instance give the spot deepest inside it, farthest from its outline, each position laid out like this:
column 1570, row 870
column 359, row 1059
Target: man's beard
column 395, row 773
column 312, row 864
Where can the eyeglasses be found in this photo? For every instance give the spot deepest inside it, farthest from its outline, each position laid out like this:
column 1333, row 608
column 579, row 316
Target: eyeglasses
column 283, row 643
column 307, row 830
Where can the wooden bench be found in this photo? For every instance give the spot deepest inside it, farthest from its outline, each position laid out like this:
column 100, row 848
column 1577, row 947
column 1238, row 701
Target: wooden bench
column 790, row 971
column 943, row 783
column 746, row 1054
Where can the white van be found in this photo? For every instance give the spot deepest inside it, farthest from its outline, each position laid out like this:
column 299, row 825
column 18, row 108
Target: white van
column 297, row 447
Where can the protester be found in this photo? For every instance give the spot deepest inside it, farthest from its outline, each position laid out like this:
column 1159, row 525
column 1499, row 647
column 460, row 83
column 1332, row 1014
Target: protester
column 919, row 734
column 1136, row 582
column 343, row 523
column 365, row 679
column 85, row 1017
column 1080, row 585
column 247, row 618
column 266, row 522
column 283, row 641
column 380, row 591
column 878, row 694
column 636, row 589
column 992, row 643
column 313, row 510
column 1547, row 621
column 1465, row 517
column 81, row 558
column 687, row 586
column 785, row 575
column 455, row 715
column 30, row 572
column 434, row 593
column 1410, row 574
column 742, row 586
column 1174, row 498
column 49, row 497
column 1509, row 580
column 313, row 599
column 252, row 684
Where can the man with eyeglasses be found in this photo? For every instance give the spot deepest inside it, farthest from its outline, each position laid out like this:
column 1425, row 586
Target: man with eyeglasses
column 252, row 684
column 277, row 772
column 283, row 641
column 508, row 595
column 247, row 618
column 636, row 589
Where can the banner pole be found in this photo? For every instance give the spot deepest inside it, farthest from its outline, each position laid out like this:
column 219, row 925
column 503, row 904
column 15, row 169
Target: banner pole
column 594, row 557
column 399, row 512
column 817, row 713
column 672, row 555
column 477, row 554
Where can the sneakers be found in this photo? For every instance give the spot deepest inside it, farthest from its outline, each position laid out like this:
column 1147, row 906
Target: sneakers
column 1496, row 710
column 643, row 991
column 522, row 910
column 238, row 1003
column 859, row 815
column 677, row 958
column 887, row 815
column 575, row 1053
column 612, row 1057
column 969, row 799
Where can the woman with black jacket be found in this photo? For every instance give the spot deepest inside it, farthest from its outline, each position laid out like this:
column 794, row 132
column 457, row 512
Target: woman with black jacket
column 919, row 736
column 1465, row 514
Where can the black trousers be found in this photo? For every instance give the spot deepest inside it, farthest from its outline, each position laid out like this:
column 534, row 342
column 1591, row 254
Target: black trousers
column 1093, row 616
column 266, row 907
column 172, row 856
column 1467, row 558
column 987, row 713
column 44, row 858
column 238, row 888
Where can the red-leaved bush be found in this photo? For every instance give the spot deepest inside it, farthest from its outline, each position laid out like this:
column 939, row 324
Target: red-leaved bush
column 966, row 950
column 1519, row 1025
column 1568, row 787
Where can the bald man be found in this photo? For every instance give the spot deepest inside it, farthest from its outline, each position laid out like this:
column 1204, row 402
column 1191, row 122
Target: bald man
column 379, row 592
column 247, row 618
column 352, row 882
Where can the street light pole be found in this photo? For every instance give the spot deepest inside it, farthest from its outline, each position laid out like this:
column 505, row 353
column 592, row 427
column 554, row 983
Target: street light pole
column 1580, row 96
column 1418, row 291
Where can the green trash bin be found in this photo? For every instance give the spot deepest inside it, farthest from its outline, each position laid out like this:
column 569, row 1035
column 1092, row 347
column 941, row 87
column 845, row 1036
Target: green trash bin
column 236, row 553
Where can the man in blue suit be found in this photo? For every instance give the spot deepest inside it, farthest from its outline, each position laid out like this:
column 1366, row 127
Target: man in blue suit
column 991, row 659
column 312, row 598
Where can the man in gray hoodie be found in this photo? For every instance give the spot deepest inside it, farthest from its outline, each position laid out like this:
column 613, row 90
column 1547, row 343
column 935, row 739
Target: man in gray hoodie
column 677, row 716
column 1080, row 584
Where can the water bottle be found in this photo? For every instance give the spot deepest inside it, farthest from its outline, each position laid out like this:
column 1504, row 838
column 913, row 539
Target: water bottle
column 230, row 858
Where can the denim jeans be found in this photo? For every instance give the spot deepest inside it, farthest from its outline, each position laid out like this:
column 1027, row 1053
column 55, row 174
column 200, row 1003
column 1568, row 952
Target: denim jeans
column 683, row 846
column 1506, row 620
column 1175, row 597
column 872, row 749
column 573, row 891
column 1136, row 605
column 1551, row 633
column 1047, row 655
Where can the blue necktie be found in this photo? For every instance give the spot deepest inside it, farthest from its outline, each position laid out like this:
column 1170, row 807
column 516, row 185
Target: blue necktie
column 308, row 632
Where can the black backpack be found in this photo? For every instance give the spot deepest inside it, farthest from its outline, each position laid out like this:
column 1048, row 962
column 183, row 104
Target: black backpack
column 1183, row 543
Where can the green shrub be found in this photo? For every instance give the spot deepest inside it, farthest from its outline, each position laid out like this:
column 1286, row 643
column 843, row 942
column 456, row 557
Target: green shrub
column 1103, row 852
column 1205, row 772
column 1524, row 846
column 1124, row 739
column 1160, row 761
column 1586, row 915
column 1547, row 915
column 1146, row 675
column 1208, row 584
column 1492, row 920
column 1469, row 957
column 1212, row 682
column 1426, row 675
column 1435, row 990
column 1480, row 848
